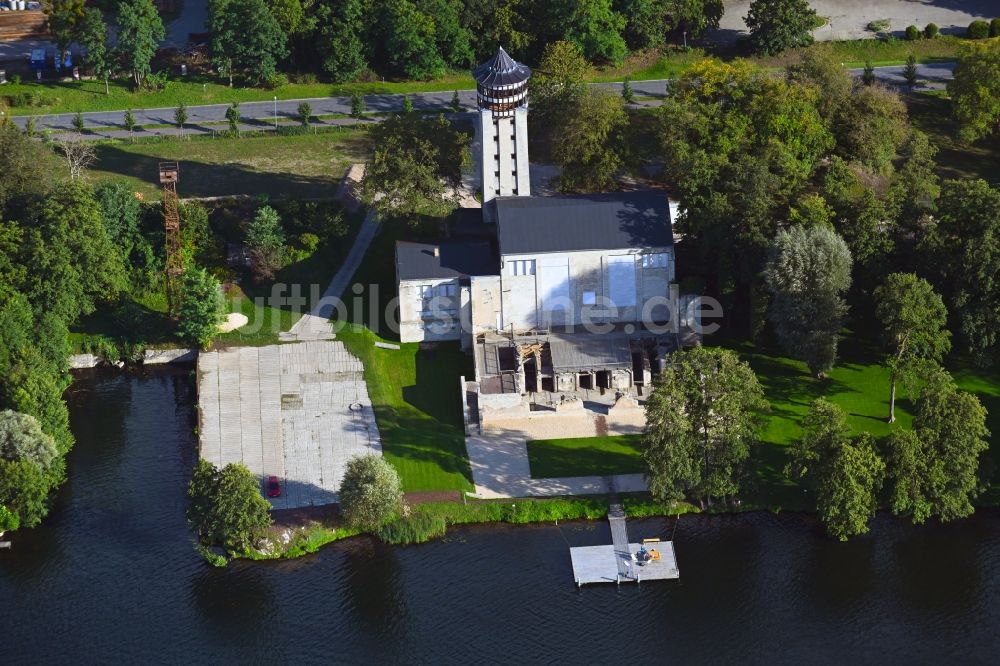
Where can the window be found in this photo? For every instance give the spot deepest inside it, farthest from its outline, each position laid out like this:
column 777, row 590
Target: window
column 621, row 280
column 589, row 298
column 522, row 267
column 446, row 290
column 657, row 260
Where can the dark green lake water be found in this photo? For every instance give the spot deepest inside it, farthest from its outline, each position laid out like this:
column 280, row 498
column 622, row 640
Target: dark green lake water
column 111, row 577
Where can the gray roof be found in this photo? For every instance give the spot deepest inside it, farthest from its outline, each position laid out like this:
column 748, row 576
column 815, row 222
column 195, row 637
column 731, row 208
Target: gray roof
column 614, row 221
column 501, row 70
column 455, row 259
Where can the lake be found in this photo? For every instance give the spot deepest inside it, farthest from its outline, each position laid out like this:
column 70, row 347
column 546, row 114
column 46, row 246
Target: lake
column 112, row 576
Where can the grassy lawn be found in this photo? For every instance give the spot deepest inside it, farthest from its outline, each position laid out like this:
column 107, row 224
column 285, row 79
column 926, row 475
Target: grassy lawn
column 415, row 392
column 416, row 398
column 585, row 456
column 860, row 385
column 286, row 166
column 856, row 52
column 931, row 113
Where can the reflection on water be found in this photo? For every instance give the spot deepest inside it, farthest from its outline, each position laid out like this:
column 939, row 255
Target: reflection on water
column 112, row 576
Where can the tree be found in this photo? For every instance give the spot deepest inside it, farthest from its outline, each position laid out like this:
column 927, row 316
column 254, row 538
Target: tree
column 24, row 490
column 339, row 39
column 703, row 419
column 201, row 308
column 130, row 123
column 871, row 127
column 94, row 38
column 845, row 473
column 289, row 14
column 370, row 494
column 934, row 468
column 226, row 507
column 456, row 103
column 9, row 521
column 416, row 165
column 808, row 271
column 180, row 116
column 246, row 38
column 266, row 241
column 305, row 113
column 67, row 242
column 779, row 25
column 556, row 89
column 21, row 438
column 910, row 71
column 964, row 246
column 407, row 104
column 819, row 66
column 65, row 19
column 233, row 118
column 411, row 40
column 739, row 145
column 628, row 95
column 357, row 105
column 26, row 165
column 975, row 90
column 868, row 74
column 590, row 145
column 140, row 32
column 845, row 497
column 595, row 27
column 915, row 188
column 649, row 23
column 452, row 37
column 913, row 319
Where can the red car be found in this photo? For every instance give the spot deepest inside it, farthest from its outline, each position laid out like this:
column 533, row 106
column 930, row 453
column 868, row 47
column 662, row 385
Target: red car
column 273, row 487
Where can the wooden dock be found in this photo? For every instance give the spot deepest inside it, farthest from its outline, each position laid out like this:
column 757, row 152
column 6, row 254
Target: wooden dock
column 617, row 563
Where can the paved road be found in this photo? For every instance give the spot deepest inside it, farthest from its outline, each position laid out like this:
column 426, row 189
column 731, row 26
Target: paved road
column 260, row 115
column 263, row 113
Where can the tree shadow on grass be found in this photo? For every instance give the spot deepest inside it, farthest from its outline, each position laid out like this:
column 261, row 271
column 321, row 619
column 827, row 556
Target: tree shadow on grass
column 200, row 179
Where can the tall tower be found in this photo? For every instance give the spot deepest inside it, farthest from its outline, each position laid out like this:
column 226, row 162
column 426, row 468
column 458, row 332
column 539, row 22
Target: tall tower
column 169, row 175
column 502, row 87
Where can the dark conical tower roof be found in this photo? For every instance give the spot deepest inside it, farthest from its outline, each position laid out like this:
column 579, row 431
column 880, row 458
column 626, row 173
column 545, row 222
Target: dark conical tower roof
column 501, row 70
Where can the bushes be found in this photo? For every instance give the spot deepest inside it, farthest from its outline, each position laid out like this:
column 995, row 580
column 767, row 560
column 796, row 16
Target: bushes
column 912, row 33
column 931, row 30
column 419, row 527
column 995, row 27
column 881, row 25
column 978, row 30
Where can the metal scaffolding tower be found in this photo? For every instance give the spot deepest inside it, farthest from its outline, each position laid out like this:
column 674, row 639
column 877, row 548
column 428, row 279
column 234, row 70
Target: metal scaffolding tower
column 169, row 174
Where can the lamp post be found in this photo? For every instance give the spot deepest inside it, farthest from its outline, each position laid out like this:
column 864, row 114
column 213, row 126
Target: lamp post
column 685, row 33
column 275, row 113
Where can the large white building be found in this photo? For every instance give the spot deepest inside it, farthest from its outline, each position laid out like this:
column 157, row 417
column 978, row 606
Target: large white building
column 525, row 281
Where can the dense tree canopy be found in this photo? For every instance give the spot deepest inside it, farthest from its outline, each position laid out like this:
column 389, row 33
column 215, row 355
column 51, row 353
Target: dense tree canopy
column 739, row 144
column 934, row 469
column 246, row 38
column 416, row 165
column 703, row 420
column 808, row 273
column 845, row 472
column 590, row 144
column 975, row 89
column 964, row 247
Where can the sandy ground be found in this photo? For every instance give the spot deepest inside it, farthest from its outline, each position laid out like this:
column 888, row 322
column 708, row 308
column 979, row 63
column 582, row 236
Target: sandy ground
column 234, row 320
column 848, row 19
